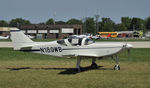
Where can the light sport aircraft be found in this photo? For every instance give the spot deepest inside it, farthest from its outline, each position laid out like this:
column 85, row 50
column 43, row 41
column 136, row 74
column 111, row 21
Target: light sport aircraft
column 2, row 37
column 78, row 47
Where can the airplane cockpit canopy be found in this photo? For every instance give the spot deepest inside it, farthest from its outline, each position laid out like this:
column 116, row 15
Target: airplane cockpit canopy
column 75, row 41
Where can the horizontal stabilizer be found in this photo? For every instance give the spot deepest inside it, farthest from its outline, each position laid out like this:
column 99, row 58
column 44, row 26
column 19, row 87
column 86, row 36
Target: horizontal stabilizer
column 26, row 48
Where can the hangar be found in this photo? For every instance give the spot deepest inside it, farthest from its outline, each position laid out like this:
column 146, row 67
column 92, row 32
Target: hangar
column 51, row 31
column 4, row 31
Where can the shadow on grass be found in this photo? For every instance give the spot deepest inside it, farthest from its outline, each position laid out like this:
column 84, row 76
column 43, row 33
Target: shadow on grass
column 24, row 68
column 75, row 71
column 66, row 70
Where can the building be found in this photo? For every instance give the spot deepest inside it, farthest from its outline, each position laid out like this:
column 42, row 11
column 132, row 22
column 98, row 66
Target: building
column 4, row 31
column 51, row 31
column 128, row 34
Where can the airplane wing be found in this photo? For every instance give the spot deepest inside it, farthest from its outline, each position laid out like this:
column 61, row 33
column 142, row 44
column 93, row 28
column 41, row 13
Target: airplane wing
column 69, row 55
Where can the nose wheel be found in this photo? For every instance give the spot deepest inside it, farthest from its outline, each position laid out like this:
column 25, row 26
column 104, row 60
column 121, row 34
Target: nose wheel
column 117, row 67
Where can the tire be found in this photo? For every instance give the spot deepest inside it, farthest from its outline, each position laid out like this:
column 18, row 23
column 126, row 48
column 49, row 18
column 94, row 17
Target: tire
column 116, row 67
column 94, row 66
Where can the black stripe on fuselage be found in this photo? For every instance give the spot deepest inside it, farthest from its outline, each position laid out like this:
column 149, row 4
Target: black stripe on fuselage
column 30, row 50
column 70, row 49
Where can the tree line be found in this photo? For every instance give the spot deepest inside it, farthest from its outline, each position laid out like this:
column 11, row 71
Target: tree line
column 89, row 24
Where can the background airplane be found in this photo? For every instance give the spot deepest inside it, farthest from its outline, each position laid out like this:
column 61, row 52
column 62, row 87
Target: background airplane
column 2, row 37
column 71, row 47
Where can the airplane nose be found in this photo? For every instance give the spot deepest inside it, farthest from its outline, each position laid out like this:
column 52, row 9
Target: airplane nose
column 129, row 46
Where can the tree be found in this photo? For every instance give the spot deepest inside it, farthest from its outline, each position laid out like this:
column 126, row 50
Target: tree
column 41, row 23
column 107, row 25
column 3, row 23
column 74, row 21
column 137, row 23
column 90, row 25
column 147, row 23
column 60, row 22
column 50, row 21
column 122, row 27
column 19, row 21
column 126, row 21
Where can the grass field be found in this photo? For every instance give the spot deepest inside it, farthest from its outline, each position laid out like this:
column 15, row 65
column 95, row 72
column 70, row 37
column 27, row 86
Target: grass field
column 28, row 70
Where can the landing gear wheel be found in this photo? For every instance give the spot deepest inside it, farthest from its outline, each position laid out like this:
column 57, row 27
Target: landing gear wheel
column 79, row 69
column 94, row 66
column 116, row 67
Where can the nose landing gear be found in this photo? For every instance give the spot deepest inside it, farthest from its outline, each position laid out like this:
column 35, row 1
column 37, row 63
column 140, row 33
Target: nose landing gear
column 117, row 67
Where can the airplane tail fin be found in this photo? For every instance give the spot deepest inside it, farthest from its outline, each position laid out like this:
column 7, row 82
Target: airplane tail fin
column 19, row 39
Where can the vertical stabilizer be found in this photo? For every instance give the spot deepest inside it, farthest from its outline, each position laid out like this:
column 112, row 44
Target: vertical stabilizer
column 19, row 39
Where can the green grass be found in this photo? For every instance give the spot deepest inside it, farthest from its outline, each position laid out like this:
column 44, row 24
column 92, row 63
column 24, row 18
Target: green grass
column 29, row 70
column 136, row 54
column 5, row 40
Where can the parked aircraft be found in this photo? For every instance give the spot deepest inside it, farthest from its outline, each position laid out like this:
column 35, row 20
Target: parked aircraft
column 71, row 47
column 79, row 36
column 2, row 37
column 147, row 35
column 30, row 36
column 84, row 36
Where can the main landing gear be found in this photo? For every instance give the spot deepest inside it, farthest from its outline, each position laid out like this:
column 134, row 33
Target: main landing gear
column 93, row 65
column 117, row 67
column 78, row 64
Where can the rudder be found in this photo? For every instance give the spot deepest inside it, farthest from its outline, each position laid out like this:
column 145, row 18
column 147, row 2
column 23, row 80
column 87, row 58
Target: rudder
column 19, row 39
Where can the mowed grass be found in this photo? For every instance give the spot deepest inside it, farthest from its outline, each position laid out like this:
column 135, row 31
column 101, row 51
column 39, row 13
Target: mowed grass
column 29, row 70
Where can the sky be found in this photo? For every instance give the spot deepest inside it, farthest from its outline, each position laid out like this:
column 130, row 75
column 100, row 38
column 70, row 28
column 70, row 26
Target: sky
column 41, row 10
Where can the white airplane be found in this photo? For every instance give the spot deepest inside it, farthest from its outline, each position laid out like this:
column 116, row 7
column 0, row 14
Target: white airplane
column 147, row 35
column 79, row 36
column 78, row 47
column 2, row 37
column 30, row 36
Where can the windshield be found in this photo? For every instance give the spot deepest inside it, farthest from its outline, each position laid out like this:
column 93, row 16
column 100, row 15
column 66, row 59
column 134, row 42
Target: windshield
column 61, row 42
column 88, row 41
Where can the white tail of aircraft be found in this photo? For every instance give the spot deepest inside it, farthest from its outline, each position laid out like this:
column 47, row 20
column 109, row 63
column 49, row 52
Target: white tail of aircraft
column 19, row 39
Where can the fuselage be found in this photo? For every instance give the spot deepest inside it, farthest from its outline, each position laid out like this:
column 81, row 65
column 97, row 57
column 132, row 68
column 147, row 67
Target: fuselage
column 91, row 50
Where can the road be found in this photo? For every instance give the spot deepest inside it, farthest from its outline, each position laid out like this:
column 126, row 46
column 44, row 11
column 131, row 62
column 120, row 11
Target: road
column 6, row 44
column 135, row 44
column 140, row 44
